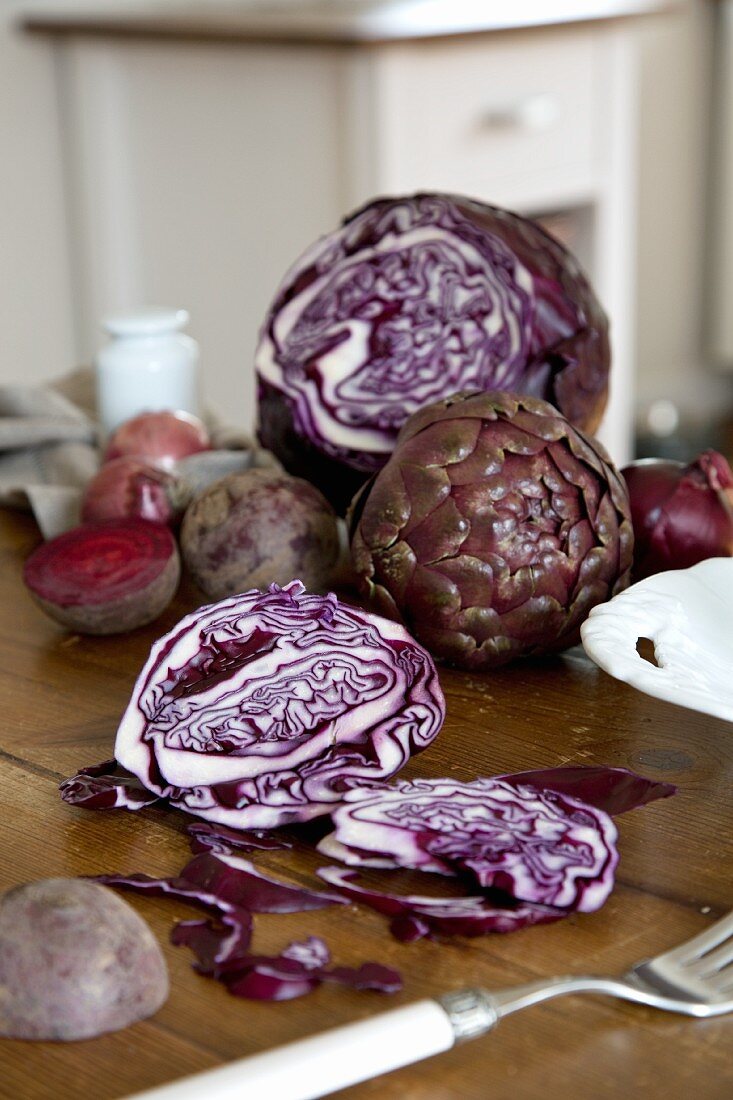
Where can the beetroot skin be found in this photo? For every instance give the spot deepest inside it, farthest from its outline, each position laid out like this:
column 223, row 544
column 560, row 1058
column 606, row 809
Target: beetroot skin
column 256, row 528
column 75, row 961
column 105, row 578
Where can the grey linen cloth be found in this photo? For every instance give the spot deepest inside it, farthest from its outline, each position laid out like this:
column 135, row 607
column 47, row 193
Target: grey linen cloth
column 49, row 449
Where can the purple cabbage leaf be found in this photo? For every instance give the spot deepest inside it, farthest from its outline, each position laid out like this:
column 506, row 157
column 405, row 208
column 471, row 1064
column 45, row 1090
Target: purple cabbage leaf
column 231, row 889
column 414, row 916
column 106, row 786
column 614, row 790
column 218, row 882
column 297, row 970
column 207, row 836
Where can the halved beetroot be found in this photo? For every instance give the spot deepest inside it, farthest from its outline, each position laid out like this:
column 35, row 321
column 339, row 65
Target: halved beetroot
column 105, row 578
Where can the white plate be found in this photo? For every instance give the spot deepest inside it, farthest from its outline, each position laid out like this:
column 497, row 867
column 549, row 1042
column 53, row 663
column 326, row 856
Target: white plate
column 688, row 615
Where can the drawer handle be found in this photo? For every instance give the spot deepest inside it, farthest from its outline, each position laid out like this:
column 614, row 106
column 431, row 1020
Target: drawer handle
column 537, row 112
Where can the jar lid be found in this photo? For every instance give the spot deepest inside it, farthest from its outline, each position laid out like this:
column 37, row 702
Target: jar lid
column 153, row 321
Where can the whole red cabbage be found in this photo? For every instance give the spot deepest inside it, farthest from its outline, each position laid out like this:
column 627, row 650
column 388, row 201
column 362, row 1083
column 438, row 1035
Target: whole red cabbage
column 681, row 515
column 410, row 300
column 263, row 709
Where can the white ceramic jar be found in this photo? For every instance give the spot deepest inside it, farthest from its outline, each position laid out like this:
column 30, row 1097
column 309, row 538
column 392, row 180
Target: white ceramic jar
column 149, row 364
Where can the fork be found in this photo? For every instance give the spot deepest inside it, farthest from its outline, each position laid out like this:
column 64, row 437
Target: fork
column 695, row 979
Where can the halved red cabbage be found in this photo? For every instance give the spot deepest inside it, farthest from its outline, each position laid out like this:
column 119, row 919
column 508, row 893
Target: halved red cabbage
column 552, row 851
column 261, row 710
column 414, row 916
column 413, row 299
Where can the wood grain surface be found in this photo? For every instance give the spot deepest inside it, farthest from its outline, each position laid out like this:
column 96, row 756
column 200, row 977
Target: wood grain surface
column 61, row 697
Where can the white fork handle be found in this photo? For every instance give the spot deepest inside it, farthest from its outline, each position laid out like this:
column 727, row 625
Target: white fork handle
column 324, row 1063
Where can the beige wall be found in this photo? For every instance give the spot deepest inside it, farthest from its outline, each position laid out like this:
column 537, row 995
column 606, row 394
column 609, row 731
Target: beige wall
column 36, row 338
column 673, row 188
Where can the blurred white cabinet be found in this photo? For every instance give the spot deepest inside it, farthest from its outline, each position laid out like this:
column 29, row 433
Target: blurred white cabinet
column 198, row 172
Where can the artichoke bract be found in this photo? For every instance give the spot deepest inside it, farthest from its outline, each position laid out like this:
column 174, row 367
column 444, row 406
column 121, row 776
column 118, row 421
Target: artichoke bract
column 263, row 709
column 410, row 300
column 493, row 530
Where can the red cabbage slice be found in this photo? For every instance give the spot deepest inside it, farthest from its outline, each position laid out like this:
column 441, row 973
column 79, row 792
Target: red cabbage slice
column 411, row 300
column 234, row 879
column 106, row 786
column 261, row 710
column 232, row 889
column 270, row 978
column 614, row 790
column 228, row 937
column 206, row 836
column 298, row 969
column 415, row 916
column 551, row 850
column 214, row 943
column 221, row 882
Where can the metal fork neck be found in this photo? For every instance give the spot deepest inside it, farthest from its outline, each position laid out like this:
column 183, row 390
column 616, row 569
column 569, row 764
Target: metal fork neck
column 473, row 1012
column 523, row 996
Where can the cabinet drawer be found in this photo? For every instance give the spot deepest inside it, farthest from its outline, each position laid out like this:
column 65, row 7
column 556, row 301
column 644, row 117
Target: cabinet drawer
column 506, row 118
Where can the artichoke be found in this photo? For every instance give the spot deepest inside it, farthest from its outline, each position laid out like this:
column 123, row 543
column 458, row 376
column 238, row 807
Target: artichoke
column 493, row 529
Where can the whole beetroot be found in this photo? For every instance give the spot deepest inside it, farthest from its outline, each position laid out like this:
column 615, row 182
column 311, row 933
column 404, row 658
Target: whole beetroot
column 75, row 961
column 493, row 529
column 256, row 528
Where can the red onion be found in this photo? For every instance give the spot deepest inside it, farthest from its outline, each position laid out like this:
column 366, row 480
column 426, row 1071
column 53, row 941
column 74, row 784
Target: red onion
column 128, row 487
column 159, row 437
column 680, row 514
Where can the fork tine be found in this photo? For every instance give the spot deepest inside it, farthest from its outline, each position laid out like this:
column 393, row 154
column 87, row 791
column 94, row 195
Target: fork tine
column 691, row 950
column 722, row 981
column 713, row 961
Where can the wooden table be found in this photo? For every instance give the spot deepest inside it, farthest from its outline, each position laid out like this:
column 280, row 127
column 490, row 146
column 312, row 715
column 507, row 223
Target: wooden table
column 61, row 698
